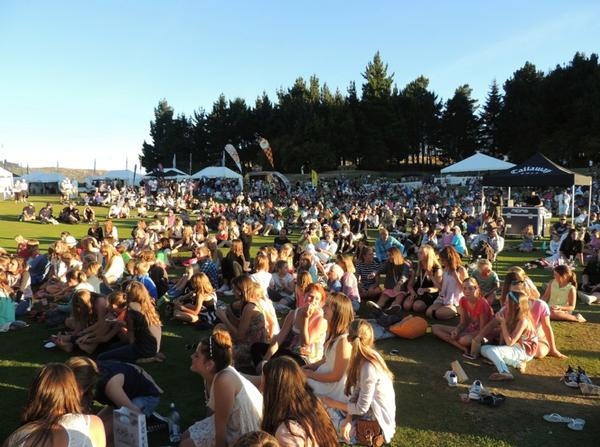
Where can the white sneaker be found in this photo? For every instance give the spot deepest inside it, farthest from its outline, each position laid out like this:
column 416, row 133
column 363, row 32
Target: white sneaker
column 450, row 376
column 223, row 288
column 228, row 292
column 475, row 390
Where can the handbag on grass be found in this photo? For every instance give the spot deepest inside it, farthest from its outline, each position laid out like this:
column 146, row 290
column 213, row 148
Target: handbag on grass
column 369, row 433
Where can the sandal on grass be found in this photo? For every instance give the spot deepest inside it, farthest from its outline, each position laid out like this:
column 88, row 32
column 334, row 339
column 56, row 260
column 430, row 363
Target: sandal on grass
column 557, row 418
column 576, row 424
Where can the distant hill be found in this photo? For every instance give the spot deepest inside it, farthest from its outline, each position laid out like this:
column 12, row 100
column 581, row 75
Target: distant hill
column 77, row 174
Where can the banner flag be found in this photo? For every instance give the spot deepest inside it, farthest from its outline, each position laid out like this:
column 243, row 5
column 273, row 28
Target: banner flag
column 314, row 178
column 266, row 147
column 234, row 155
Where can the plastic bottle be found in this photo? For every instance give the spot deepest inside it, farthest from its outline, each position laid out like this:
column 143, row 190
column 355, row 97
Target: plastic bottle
column 174, row 427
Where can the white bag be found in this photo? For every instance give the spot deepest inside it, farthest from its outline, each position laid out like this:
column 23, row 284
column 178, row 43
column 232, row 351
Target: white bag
column 129, row 428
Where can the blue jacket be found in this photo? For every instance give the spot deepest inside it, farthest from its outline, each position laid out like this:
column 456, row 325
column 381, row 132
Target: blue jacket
column 381, row 248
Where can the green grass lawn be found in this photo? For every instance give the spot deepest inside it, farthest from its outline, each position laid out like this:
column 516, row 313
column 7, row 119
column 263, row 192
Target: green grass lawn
column 429, row 413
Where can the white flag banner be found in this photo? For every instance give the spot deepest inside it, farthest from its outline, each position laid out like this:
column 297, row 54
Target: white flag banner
column 234, row 155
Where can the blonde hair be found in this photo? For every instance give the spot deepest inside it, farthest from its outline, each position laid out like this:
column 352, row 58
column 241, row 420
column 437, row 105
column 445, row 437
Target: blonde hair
column 201, row 284
column 431, row 259
column 346, row 262
column 361, row 336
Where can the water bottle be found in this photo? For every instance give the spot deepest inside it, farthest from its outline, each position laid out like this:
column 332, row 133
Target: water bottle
column 174, row 427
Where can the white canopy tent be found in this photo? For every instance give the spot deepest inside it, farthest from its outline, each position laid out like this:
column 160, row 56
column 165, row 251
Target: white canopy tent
column 219, row 172
column 44, row 182
column 6, row 180
column 168, row 173
column 123, row 174
column 477, row 162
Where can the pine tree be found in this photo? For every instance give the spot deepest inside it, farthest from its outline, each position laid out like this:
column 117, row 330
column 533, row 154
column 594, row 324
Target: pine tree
column 378, row 83
column 459, row 127
column 490, row 115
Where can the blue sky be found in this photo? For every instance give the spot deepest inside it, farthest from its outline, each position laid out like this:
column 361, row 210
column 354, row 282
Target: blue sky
column 80, row 79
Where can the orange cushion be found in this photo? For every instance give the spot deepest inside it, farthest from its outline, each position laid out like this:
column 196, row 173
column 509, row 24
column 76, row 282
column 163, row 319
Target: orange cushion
column 412, row 327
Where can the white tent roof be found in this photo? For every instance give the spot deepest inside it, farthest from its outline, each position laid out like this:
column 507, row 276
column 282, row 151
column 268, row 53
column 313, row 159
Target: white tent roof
column 478, row 162
column 43, row 177
column 121, row 174
column 219, row 172
column 4, row 173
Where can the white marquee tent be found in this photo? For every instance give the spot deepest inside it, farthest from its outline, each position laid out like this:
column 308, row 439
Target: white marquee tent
column 219, row 172
column 477, row 162
column 44, row 182
column 6, row 180
column 123, row 174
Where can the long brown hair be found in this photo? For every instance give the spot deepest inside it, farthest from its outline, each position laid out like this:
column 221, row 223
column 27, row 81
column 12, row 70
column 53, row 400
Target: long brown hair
column 287, row 397
column 363, row 341
column 237, row 249
column 565, row 272
column 87, row 375
column 452, row 258
column 52, row 394
column 516, row 310
column 342, row 316
column 137, row 293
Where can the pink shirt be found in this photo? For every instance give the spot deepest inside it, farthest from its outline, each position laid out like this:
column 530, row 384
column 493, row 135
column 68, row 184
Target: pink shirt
column 482, row 307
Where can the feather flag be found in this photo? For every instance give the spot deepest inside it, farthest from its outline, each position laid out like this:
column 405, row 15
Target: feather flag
column 234, row 155
column 314, row 178
column 266, row 147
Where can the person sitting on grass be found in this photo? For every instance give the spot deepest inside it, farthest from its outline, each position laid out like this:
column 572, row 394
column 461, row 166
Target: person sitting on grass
column 114, row 384
column 397, row 272
column 143, row 328
column 281, row 284
column 425, row 282
column 590, row 281
column 235, row 402
column 54, row 416
column 487, row 279
column 244, row 319
column 188, row 308
column 518, row 338
column 527, row 245
column 327, row 377
column 367, row 270
column 369, row 390
column 348, row 280
column 474, row 312
column 292, row 412
column 445, row 305
column 561, row 294
column 28, row 213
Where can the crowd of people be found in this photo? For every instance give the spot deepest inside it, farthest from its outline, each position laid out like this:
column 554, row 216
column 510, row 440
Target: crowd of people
column 287, row 352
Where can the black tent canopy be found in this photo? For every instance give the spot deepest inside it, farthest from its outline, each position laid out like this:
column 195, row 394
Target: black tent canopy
column 538, row 170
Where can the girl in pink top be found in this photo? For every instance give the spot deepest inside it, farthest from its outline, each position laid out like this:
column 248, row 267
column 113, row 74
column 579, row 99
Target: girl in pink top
column 518, row 338
column 474, row 312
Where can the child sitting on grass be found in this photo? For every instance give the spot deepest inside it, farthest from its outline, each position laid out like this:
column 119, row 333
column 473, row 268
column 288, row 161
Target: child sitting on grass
column 188, row 307
column 561, row 295
column 487, row 279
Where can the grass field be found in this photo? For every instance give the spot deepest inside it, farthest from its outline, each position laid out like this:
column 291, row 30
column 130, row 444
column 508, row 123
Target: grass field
column 429, row 413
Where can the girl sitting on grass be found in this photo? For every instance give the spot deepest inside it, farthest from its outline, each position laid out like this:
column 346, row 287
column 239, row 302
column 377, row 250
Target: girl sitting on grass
column 474, row 312
column 561, row 294
column 487, row 279
column 188, row 308
column 518, row 337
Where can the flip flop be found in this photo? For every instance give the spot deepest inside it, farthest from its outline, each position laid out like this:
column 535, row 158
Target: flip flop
column 576, row 424
column 395, row 352
column 49, row 345
column 557, row 418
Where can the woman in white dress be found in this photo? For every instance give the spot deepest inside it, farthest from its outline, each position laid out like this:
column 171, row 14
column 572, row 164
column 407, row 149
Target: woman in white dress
column 236, row 403
column 53, row 416
column 328, row 376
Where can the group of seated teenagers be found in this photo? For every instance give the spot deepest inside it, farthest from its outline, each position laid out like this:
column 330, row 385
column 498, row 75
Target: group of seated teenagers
column 108, row 293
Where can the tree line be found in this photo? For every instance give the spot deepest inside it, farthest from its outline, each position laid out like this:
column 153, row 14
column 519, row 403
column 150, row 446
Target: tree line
column 384, row 127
